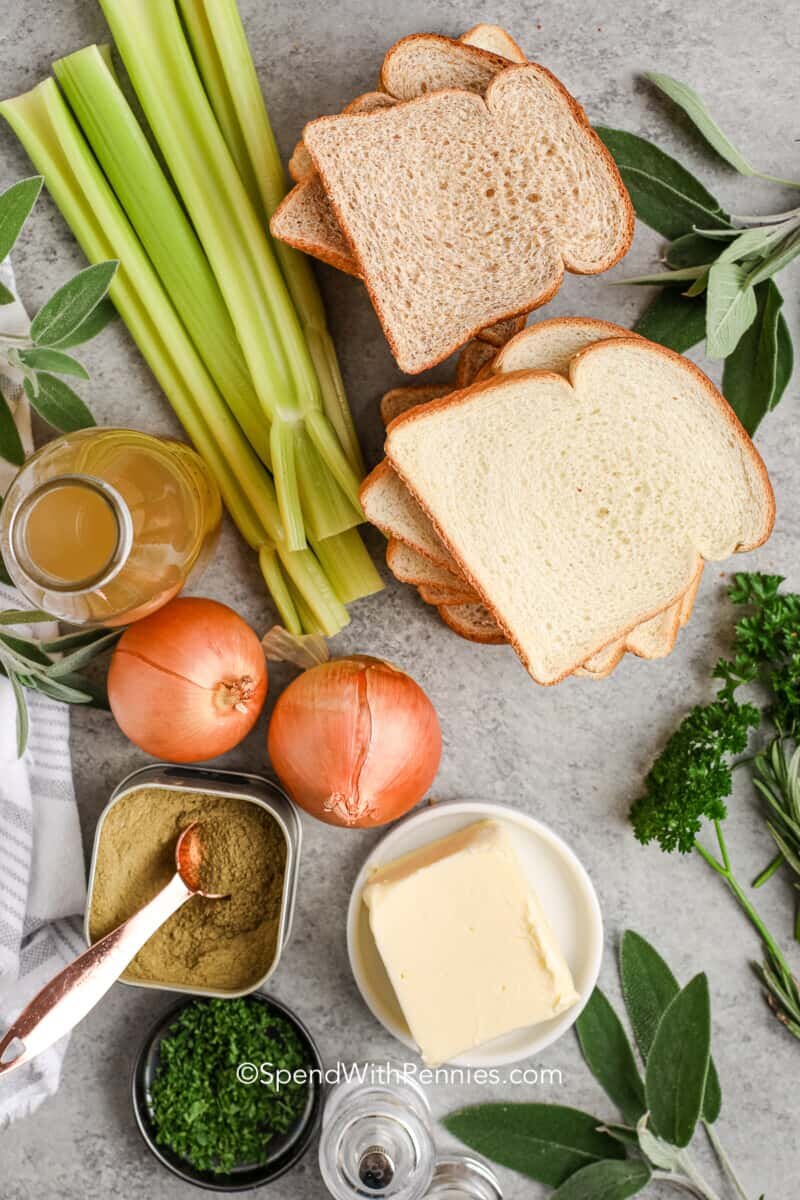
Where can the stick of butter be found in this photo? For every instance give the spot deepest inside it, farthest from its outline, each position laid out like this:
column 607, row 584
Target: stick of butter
column 465, row 941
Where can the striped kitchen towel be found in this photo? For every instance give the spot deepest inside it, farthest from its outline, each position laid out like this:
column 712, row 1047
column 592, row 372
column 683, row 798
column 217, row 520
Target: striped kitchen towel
column 41, row 858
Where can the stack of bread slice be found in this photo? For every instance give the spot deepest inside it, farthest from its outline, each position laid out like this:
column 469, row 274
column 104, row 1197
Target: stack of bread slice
column 566, row 499
column 460, row 192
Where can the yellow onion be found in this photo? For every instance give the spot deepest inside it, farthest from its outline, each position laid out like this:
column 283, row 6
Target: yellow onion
column 355, row 741
column 187, row 683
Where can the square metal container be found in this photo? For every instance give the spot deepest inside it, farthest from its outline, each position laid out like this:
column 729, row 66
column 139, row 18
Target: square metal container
column 211, row 782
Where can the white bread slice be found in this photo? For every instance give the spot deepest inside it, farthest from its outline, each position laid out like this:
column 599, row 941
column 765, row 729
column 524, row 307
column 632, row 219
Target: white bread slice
column 495, row 40
column 601, row 499
column 389, row 506
column 410, row 567
column 462, row 212
column 399, row 400
column 473, row 622
column 300, row 162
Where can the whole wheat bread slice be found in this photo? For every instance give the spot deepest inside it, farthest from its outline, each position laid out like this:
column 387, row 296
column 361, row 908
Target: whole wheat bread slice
column 495, row 40
column 603, row 491
column 399, row 400
column 473, row 622
column 462, row 211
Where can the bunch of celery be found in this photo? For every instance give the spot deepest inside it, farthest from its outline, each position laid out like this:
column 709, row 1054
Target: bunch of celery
column 234, row 332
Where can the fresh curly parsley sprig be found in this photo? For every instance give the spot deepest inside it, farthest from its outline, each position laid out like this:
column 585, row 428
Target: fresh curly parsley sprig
column 692, row 778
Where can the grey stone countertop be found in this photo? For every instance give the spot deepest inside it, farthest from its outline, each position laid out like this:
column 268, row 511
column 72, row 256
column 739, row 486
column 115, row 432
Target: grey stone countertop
column 574, row 755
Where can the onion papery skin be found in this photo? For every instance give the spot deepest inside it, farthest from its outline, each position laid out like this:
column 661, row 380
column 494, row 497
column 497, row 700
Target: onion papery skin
column 355, row 742
column 188, row 682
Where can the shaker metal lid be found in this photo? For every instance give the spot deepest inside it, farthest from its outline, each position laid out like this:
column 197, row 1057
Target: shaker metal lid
column 463, row 1177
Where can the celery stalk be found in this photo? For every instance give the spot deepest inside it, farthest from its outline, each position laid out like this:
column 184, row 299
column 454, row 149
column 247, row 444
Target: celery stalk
column 279, row 589
column 45, row 127
column 150, row 39
column 226, row 65
column 345, row 561
column 153, row 209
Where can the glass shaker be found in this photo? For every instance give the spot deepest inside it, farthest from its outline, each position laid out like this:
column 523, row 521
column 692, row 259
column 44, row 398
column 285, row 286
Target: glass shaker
column 103, row 526
column 377, row 1144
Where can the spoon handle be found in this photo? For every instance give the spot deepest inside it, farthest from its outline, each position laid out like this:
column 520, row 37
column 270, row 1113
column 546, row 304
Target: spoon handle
column 71, row 994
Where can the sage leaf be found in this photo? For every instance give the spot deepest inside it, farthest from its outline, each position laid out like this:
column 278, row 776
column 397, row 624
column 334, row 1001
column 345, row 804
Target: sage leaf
column 6, row 296
column 23, row 649
column 609, row 1056
column 750, row 375
column 749, row 243
column 11, row 448
column 781, row 256
column 16, row 203
column 42, row 358
column 665, row 195
column 22, row 714
column 691, row 250
column 546, row 1142
column 66, row 642
column 731, row 308
column 56, row 403
column 688, row 99
column 83, row 654
column 72, row 304
column 673, row 321
column 65, row 693
column 677, row 1067
column 24, row 616
column 605, row 1181
column 657, row 1151
column 621, row 1133
column 648, row 988
column 667, row 277
column 98, row 318
column 785, row 361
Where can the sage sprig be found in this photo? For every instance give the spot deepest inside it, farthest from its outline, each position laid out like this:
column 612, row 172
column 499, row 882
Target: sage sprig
column 719, row 267
column 664, row 1097
column 51, row 666
column 75, row 314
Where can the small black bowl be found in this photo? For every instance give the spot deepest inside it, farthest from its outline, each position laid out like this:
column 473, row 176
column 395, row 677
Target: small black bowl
column 285, row 1150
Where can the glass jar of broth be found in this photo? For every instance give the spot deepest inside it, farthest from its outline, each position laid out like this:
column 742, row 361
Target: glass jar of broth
column 103, row 526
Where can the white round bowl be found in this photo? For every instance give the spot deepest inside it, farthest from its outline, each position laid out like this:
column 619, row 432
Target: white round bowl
column 561, row 883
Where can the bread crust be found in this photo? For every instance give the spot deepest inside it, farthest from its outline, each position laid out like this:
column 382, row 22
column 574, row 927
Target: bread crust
column 479, row 54
column 535, row 301
column 465, row 395
column 453, row 617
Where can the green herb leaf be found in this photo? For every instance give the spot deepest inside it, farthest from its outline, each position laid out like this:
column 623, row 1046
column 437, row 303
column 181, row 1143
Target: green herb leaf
column 648, row 988
column 674, row 321
column 42, row 358
column 23, row 649
column 609, row 1056
column 98, row 318
column 67, row 642
column 730, row 308
column 621, row 1133
column 56, row 403
column 691, row 250
column 24, row 616
column 785, row 361
column 677, row 1067
column 605, row 1181
column 83, row 655
column 6, row 296
column 750, row 375
column 16, row 203
column 666, row 277
column 749, row 244
column 546, row 1142
column 657, row 1151
column 665, row 195
column 688, row 99
column 72, row 304
column 65, row 693
column 22, row 714
column 11, row 448
column 786, row 250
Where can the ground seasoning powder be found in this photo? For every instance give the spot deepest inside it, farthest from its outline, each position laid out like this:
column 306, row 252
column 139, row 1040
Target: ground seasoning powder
column 225, row 945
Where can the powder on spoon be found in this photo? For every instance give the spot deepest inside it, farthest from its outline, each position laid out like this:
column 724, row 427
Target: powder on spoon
column 225, row 945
